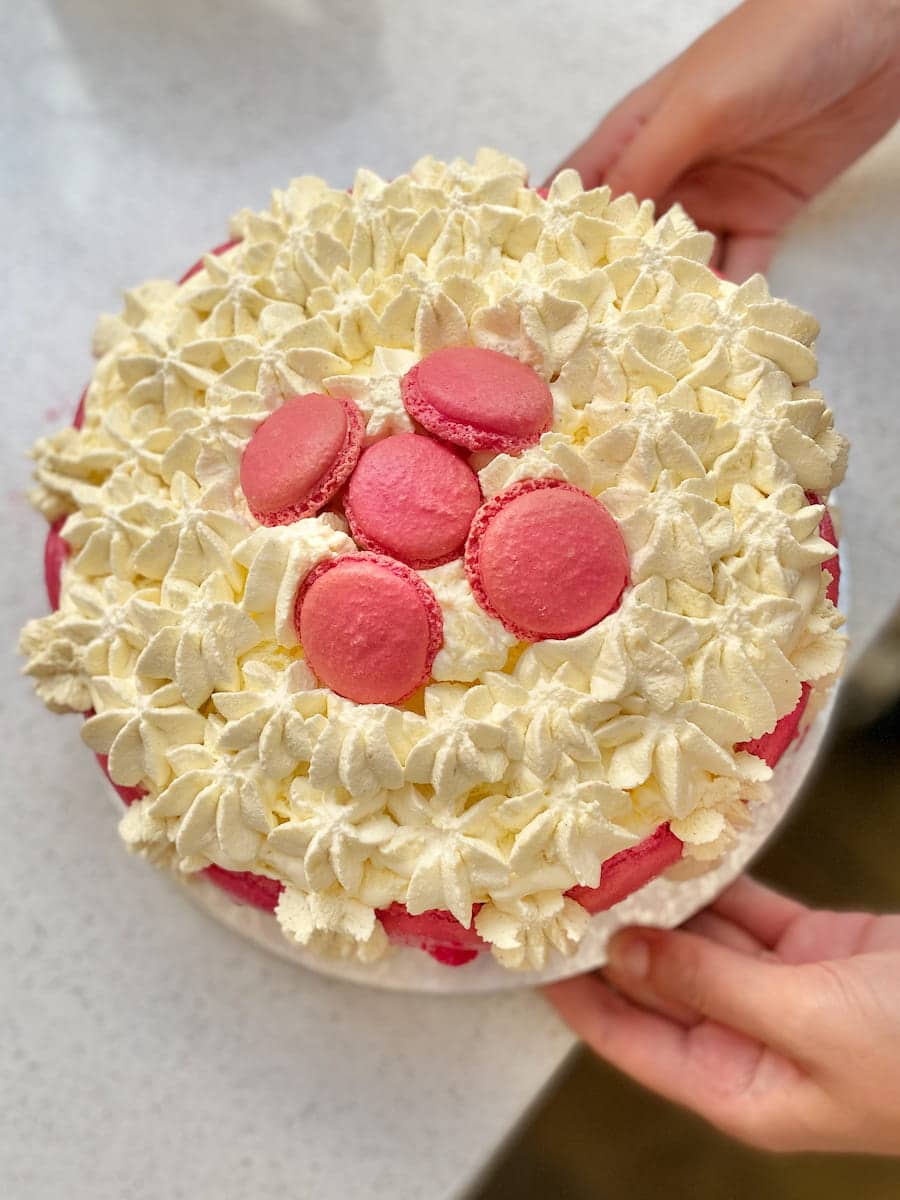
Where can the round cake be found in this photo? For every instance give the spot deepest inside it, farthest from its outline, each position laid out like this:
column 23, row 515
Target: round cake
column 441, row 560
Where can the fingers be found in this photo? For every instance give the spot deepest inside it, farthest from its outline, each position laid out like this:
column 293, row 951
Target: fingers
column 648, row 1047
column 710, row 1069
column 597, row 153
column 758, row 998
column 717, row 929
column 713, row 928
column 746, row 254
column 593, row 158
column 764, row 914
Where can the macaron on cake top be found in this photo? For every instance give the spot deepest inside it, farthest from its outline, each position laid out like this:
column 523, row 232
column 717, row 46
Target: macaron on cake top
column 440, row 560
column 299, row 457
column 479, row 398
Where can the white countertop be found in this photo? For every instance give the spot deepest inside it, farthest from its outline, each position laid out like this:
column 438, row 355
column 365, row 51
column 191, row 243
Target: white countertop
column 147, row 1053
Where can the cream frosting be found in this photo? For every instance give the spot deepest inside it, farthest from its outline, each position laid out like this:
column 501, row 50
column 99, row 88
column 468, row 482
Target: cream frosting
column 680, row 400
column 474, row 641
column 217, row 807
column 331, row 924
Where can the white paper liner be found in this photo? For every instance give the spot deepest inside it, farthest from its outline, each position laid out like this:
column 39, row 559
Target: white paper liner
column 662, row 902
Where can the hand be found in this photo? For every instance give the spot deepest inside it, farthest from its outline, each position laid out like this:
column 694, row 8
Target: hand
column 779, row 1025
column 754, row 119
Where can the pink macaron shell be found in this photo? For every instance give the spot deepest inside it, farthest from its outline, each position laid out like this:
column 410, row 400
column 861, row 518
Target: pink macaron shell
column 196, row 267
column 245, row 887
column 412, row 498
column 832, row 565
column 128, row 795
column 546, row 559
column 300, row 456
column 629, row 870
column 56, row 551
column 370, row 627
column 78, row 419
column 477, row 398
column 772, row 745
column 436, row 932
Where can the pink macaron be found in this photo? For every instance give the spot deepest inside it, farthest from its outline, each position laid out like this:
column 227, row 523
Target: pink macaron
column 412, row 498
column 479, row 399
column 629, row 870
column 259, row 891
column 832, row 565
column 772, row 745
column 127, row 794
column 436, row 931
column 370, row 627
column 546, row 559
column 78, row 419
column 56, row 551
column 197, row 267
column 300, row 456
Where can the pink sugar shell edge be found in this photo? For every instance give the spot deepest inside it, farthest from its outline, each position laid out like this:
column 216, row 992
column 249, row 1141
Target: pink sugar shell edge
column 197, row 267
column 480, row 524
column 459, row 432
column 56, row 551
column 435, row 931
column 772, row 745
column 244, row 887
column 831, row 565
column 624, row 873
column 332, row 481
column 433, row 612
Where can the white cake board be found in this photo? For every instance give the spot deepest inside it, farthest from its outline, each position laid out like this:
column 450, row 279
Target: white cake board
column 663, row 902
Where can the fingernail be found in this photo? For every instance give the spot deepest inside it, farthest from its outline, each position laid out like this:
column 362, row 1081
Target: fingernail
column 630, row 956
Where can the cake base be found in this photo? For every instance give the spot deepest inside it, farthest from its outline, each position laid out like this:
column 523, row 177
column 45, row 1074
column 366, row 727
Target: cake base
column 663, row 902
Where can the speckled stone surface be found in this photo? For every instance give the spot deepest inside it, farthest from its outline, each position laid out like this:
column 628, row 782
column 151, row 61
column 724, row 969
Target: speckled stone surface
column 148, row 1054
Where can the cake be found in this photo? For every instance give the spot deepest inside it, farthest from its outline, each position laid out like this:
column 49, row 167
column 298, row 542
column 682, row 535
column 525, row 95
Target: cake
column 441, row 560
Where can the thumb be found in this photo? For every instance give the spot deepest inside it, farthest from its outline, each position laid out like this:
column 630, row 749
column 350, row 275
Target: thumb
column 679, row 971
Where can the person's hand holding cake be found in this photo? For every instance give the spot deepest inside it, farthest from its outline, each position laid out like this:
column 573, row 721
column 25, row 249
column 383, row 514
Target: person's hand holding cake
column 754, row 119
column 776, row 1023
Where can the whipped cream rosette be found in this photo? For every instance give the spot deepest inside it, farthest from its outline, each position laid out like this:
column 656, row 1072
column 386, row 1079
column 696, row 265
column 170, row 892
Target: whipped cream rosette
column 441, row 560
